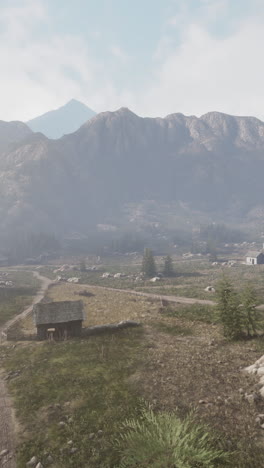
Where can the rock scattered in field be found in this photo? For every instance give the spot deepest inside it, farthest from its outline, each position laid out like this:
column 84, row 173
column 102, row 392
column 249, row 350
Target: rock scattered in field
column 73, row 450
column 32, row 462
column 4, row 453
column 119, row 275
column 260, row 419
column 100, row 433
column 251, row 398
column 258, row 369
column 92, row 435
column 106, row 275
column 50, row 459
column 61, row 424
column 39, row 465
column 73, row 280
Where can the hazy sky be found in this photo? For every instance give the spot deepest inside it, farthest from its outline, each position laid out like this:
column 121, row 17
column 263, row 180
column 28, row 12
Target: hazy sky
column 154, row 56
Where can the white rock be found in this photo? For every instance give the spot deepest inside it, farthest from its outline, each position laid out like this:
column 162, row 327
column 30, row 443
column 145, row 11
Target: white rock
column 251, row 369
column 105, row 275
column 260, row 361
column 73, row 280
column 4, row 453
column 153, row 280
column 32, row 462
column 119, row 275
column 260, row 371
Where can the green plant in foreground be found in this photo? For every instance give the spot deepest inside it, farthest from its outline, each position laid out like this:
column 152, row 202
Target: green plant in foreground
column 164, row 441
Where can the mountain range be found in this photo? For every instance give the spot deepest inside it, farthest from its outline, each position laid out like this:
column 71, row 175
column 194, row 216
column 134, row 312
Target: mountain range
column 116, row 161
column 66, row 119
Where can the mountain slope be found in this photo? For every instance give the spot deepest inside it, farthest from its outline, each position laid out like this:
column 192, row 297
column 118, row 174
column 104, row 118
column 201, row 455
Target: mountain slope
column 12, row 132
column 65, row 119
column 213, row 164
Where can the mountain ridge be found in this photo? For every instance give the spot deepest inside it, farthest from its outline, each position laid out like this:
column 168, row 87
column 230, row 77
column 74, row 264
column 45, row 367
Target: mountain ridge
column 117, row 158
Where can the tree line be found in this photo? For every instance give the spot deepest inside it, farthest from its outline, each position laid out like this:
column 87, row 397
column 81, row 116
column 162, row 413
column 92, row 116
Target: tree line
column 237, row 312
column 149, row 267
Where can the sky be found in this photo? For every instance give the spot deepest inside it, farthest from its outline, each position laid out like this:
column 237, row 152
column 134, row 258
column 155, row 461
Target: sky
column 155, row 57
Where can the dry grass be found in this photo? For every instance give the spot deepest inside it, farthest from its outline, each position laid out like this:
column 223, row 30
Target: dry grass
column 102, row 308
column 106, row 306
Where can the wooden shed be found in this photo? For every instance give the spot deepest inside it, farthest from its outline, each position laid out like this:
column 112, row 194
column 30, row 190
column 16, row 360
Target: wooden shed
column 58, row 319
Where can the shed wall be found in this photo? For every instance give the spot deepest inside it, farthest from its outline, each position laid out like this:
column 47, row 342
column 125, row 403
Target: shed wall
column 62, row 330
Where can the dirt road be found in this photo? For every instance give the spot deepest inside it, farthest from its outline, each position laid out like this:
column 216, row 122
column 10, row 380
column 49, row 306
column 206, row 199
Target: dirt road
column 7, row 416
column 45, row 282
column 175, row 299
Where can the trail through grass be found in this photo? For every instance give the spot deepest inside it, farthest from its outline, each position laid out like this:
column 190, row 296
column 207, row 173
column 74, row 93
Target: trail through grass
column 13, row 300
column 74, row 395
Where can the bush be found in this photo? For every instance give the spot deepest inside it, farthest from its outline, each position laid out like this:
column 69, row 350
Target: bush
column 163, row 440
column 251, row 318
column 229, row 311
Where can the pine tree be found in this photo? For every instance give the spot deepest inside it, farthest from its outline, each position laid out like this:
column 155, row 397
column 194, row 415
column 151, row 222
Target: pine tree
column 250, row 313
column 82, row 265
column 168, row 266
column 148, row 263
column 229, row 310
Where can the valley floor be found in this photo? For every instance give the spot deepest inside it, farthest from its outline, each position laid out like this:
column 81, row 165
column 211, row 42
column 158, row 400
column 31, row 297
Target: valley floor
column 75, row 394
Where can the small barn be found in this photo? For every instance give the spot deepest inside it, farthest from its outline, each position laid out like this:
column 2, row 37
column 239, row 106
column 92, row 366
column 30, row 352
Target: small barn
column 58, row 320
column 255, row 257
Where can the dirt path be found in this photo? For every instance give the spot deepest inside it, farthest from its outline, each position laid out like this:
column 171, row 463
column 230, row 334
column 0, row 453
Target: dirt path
column 45, row 282
column 7, row 417
column 175, row 299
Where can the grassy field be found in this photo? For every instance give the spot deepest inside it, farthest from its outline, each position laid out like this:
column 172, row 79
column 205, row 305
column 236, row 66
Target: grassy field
column 190, row 280
column 76, row 394
column 72, row 396
column 14, row 300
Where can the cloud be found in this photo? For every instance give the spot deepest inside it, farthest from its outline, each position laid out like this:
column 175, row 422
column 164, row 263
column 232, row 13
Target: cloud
column 41, row 71
column 118, row 53
column 193, row 70
column 206, row 72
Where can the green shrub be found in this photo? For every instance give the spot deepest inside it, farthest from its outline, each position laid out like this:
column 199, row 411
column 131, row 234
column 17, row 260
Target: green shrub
column 164, row 441
column 230, row 313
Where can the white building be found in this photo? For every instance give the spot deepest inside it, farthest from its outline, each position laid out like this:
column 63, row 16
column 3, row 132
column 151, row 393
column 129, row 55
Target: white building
column 254, row 258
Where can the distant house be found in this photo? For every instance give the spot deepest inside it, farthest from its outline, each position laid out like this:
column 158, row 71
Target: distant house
column 58, row 320
column 255, row 257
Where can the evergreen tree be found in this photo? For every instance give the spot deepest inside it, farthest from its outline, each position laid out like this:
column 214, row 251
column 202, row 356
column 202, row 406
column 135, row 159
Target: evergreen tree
column 168, row 266
column 229, row 309
column 82, row 266
column 148, row 263
column 250, row 313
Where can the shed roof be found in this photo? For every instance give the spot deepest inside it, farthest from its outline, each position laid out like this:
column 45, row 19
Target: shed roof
column 58, row 312
column 254, row 253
